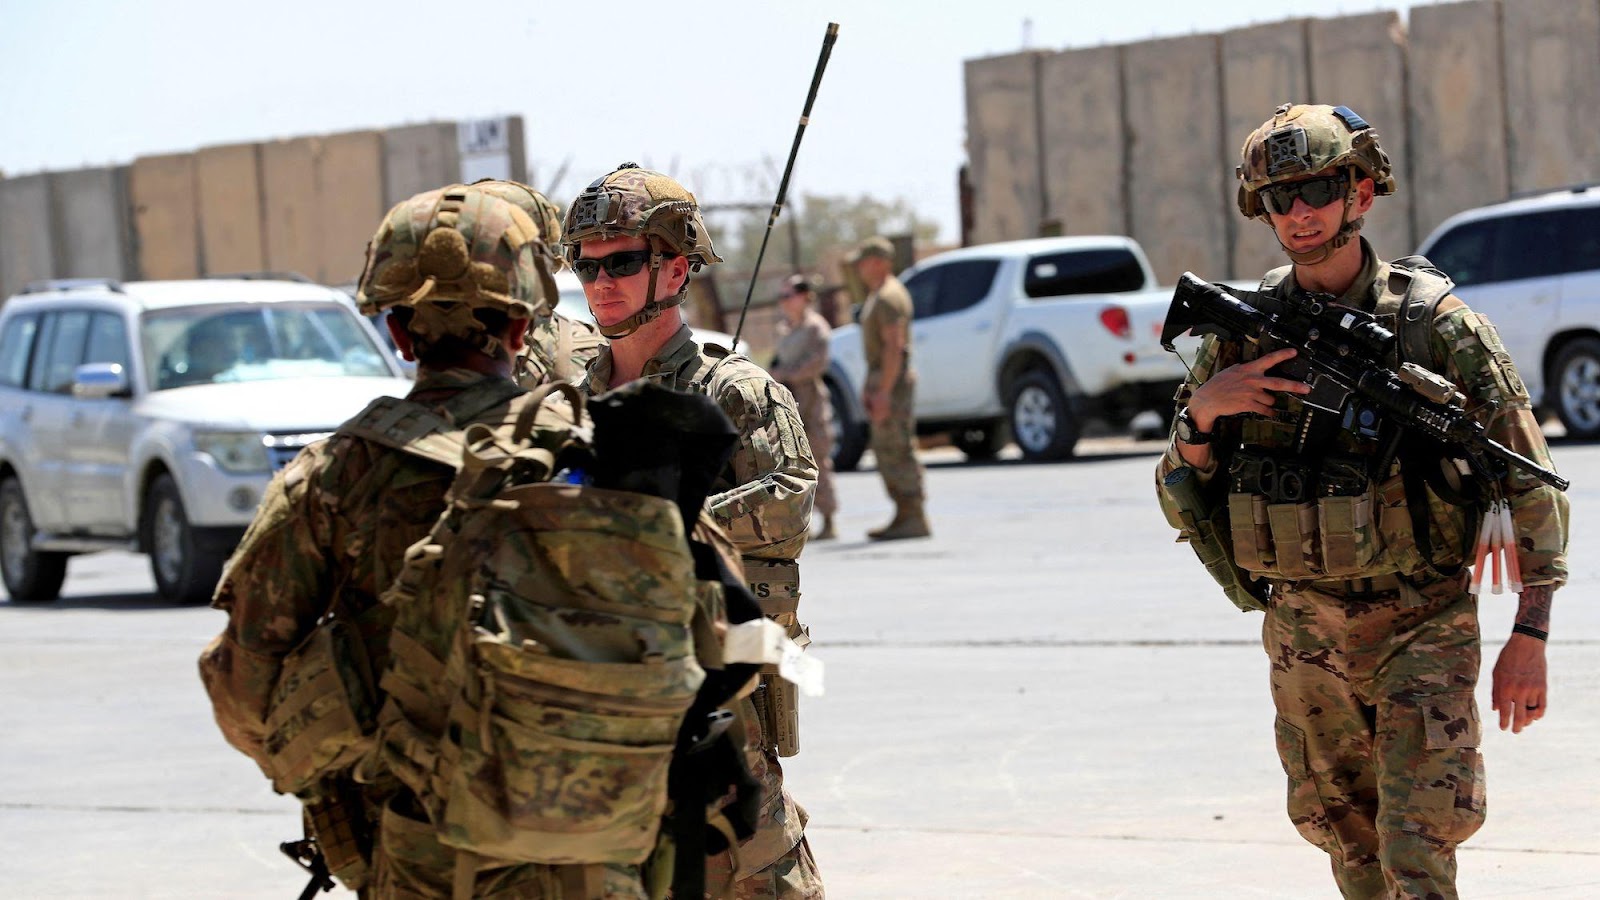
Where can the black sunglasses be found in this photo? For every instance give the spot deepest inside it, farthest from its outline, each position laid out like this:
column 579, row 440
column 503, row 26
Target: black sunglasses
column 618, row 265
column 1317, row 192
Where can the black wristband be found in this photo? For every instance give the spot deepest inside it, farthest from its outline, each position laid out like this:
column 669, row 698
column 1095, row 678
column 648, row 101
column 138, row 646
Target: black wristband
column 1530, row 631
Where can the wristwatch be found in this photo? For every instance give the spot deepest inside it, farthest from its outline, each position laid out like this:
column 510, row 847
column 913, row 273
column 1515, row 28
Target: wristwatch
column 1184, row 428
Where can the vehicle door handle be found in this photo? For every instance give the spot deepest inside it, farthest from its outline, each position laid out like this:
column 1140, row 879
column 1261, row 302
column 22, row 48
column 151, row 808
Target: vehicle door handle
column 27, row 414
column 77, row 419
column 982, row 326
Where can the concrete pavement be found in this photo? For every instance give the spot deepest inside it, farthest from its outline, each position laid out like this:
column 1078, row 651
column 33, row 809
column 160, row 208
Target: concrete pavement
column 1046, row 699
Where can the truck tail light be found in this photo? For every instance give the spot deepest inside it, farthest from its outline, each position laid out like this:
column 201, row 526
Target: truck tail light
column 1115, row 319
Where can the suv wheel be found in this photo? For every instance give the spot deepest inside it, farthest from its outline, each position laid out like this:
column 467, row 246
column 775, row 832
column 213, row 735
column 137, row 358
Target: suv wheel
column 1041, row 419
column 981, row 442
column 30, row 577
column 184, row 569
column 1575, row 377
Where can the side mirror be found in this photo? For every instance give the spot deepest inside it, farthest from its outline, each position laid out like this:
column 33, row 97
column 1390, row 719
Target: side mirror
column 97, row 381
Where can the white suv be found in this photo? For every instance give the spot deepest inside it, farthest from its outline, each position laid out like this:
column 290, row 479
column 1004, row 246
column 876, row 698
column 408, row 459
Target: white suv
column 1532, row 265
column 151, row 415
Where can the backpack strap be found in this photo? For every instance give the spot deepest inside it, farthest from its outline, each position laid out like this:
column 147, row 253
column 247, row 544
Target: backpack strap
column 410, row 427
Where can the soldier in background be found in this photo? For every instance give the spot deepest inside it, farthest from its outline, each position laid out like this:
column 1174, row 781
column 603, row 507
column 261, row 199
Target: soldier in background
column 890, row 389
column 800, row 361
column 463, row 272
column 633, row 236
column 558, row 347
column 1370, row 627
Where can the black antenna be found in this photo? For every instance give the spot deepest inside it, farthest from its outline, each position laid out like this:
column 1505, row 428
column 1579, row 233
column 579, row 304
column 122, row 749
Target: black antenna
column 783, row 185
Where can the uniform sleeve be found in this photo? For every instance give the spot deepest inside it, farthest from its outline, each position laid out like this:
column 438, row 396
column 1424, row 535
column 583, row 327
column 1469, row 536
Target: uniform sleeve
column 273, row 591
column 1482, row 369
column 767, row 512
column 1207, row 360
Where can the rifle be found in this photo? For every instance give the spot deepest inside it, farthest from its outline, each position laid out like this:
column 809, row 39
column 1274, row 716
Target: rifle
column 307, row 855
column 1343, row 353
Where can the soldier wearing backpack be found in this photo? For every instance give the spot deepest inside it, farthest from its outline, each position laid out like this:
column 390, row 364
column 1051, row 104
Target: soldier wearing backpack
column 633, row 236
column 463, row 273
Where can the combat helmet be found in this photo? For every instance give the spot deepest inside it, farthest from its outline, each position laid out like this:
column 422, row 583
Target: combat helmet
column 545, row 214
column 1302, row 140
column 449, row 252
column 634, row 202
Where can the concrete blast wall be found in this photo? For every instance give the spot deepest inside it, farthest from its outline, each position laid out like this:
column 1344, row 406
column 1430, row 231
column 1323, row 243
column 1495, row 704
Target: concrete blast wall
column 1472, row 101
column 27, row 250
column 1176, row 167
column 161, row 190
column 231, row 235
column 307, row 205
column 1003, row 144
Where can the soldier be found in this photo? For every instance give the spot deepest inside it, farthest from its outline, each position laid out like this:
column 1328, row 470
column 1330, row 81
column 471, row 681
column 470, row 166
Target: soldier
column 890, row 388
column 1370, row 626
column 801, row 359
column 633, row 236
column 559, row 347
column 463, row 272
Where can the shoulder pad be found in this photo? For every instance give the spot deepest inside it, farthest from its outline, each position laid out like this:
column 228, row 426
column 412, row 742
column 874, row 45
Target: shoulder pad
column 716, row 351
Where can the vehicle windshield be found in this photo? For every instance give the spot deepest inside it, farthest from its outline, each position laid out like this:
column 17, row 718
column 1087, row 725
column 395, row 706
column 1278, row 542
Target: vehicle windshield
column 206, row 344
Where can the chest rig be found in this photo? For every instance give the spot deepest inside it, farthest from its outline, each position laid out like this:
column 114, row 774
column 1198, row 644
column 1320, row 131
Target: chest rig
column 1317, row 493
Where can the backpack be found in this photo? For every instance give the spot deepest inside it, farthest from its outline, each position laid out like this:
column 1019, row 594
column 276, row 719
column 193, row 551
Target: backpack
column 545, row 681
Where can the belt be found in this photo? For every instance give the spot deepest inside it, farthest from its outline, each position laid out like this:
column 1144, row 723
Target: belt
column 1377, row 584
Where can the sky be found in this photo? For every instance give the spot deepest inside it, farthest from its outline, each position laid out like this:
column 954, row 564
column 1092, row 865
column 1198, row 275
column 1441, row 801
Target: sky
column 710, row 92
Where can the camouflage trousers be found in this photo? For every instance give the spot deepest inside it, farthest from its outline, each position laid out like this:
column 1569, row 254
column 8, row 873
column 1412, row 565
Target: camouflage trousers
column 1378, row 731
column 775, row 863
column 894, row 442
column 409, row 863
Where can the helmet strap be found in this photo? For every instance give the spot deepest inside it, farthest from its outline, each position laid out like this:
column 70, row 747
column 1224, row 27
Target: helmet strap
column 653, row 308
column 1348, row 228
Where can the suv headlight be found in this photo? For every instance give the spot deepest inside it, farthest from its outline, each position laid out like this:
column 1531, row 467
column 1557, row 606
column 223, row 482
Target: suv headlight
column 235, row 451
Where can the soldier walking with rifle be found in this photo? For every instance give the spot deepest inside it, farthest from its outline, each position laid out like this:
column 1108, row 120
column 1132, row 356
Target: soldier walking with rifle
column 1353, row 449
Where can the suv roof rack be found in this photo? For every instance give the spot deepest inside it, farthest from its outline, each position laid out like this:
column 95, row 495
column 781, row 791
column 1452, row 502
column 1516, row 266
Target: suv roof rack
column 263, row 276
column 44, row 285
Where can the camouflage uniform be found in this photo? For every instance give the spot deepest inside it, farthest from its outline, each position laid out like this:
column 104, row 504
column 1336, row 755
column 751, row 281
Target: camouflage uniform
column 763, row 501
column 559, row 349
column 894, row 438
column 333, row 529
column 802, row 357
column 1373, row 677
column 1373, row 668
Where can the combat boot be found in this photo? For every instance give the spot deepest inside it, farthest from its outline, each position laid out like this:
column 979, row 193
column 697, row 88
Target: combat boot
column 909, row 522
column 827, row 533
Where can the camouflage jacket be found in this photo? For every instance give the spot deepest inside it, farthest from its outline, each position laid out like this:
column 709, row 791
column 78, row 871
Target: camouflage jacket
column 558, row 348
column 1466, row 349
column 333, row 528
column 763, row 498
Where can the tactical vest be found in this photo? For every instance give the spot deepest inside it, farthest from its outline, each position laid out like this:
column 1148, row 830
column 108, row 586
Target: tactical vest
column 1347, row 509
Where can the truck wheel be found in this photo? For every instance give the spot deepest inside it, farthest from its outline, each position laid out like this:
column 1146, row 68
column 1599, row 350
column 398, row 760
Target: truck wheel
column 1575, row 379
column 981, row 442
column 30, row 576
column 1041, row 418
column 185, row 570
column 849, row 436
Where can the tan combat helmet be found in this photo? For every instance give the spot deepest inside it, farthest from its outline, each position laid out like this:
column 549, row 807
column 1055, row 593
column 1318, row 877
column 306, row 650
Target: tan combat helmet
column 545, row 214
column 634, row 202
column 449, row 252
column 1303, row 140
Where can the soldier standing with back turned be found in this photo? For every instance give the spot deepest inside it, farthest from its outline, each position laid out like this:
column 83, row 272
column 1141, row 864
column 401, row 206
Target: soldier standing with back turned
column 633, row 236
column 1370, row 628
column 890, row 389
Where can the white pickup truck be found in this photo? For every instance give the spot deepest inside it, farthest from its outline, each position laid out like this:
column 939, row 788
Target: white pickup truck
column 1023, row 339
